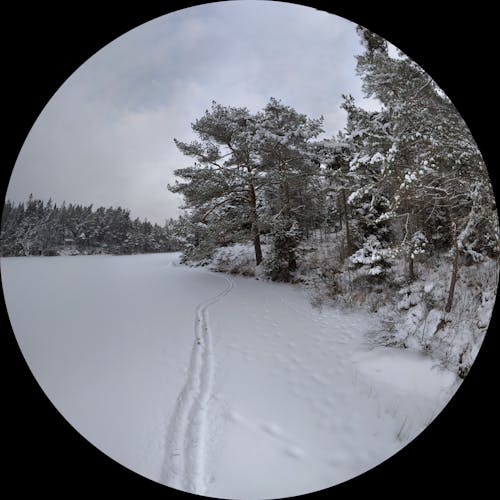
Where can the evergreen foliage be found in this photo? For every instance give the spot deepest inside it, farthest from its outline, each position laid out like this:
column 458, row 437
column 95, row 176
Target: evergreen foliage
column 42, row 228
column 398, row 185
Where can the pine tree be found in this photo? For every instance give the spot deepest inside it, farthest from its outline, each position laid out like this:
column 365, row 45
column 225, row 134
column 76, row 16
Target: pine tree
column 434, row 178
column 39, row 228
column 289, row 162
column 224, row 183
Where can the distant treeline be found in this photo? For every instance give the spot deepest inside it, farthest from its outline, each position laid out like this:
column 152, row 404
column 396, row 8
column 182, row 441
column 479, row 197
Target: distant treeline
column 36, row 227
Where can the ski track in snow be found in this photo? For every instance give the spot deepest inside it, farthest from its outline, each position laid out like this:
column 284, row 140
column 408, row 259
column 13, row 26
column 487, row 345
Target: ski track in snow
column 186, row 441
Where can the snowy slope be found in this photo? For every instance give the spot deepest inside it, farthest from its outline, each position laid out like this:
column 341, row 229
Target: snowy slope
column 225, row 386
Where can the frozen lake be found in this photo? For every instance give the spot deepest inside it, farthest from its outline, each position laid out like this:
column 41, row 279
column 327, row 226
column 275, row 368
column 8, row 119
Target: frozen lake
column 219, row 385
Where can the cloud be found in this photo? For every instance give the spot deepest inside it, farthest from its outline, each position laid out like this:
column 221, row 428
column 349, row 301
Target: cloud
column 106, row 137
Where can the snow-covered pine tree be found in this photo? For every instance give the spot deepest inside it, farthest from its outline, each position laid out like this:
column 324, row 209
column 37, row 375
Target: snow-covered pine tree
column 39, row 228
column 432, row 165
column 222, row 188
column 289, row 162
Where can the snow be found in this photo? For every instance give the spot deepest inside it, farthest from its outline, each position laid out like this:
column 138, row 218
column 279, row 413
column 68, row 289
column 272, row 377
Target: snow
column 377, row 157
column 404, row 368
column 220, row 385
column 97, row 334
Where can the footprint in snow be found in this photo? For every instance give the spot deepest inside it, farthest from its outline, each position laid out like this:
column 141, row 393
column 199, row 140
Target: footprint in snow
column 234, row 416
column 295, row 451
column 273, row 429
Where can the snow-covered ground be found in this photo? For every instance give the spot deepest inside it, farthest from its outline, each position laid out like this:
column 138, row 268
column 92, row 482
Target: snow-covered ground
column 226, row 386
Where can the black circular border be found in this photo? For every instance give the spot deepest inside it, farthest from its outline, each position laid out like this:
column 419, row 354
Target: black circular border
column 44, row 44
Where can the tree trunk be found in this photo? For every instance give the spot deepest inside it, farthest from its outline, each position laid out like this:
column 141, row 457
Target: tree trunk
column 454, row 272
column 411, row 268
column 292, row 259
column 347, row 230
column 255, row 225
column 257, row 247
column 425, row 226
column 286, row 193
column 340, row 209
column 409, row 231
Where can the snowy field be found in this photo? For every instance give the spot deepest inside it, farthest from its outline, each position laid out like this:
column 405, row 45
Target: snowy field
column 225, row 386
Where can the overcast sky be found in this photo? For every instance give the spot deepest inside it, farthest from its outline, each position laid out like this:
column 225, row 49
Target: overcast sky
column 106, row 137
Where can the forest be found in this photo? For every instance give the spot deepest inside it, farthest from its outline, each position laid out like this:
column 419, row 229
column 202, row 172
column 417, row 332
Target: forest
column 43, row 228
column 395, row 212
